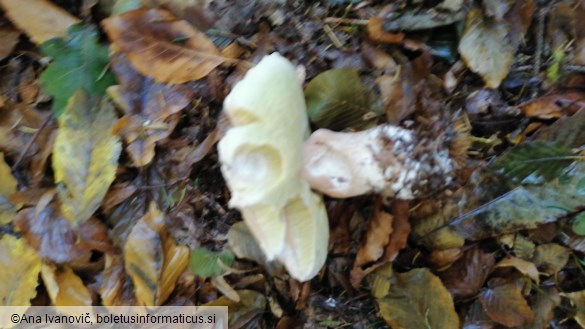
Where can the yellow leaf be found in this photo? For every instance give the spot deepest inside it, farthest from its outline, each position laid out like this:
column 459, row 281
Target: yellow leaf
column 8, row 186
column 65, row 288
column 20, row 270
column 153, row 260
column 41, row 20
column 85, row 156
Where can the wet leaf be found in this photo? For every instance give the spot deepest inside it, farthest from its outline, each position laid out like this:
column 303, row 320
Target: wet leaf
column 525, row 267
column 85, row 156
column 418, row 299
column 486, row 48
column 207, row 263
column 148, row 38
column 7, row 188
column 78, row 63
column 251, row 304
column 550, row 258
column 20, row 271
column 54, row 238
column 64, row 286
column 152, row 259
column 505, row 304
column 577, row 299
column 337, row 99
column 467, row 275
column 150, row 109
column 41, row 20
column 534, row 162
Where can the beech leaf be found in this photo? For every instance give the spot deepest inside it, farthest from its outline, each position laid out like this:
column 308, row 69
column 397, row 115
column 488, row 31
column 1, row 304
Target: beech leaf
column 161, row 46
column 337, row 99
column 205, row 263
column 78, row 63
column 8, row 186
column 505, row 304
column 65, row 288
column 85, row 156
column 20, row 271
column 418, row 300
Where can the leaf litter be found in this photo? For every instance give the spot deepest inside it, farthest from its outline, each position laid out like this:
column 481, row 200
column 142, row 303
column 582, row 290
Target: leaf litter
column 120, row 165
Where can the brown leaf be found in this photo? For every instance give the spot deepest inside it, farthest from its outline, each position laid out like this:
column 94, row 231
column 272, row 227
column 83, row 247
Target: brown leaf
column 113, row 287
column 150, row 109
column 525, row 267
column 41, row 20
column 377, row 33
column 544, row 303
column 476, row 318
column 377, row 237
column 54, row 238
column 161, row 46
column 401, row 229
column 554, row 106
column 505, row 304
column 8, row 39
column 467, row 275
column 577, row 298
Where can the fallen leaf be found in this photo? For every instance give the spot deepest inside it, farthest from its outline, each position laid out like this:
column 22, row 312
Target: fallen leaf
column 251, row 304
column 85, row 156
column 9, row 37
column 577, row 299
column 544, row 304
column 442, row 259
column 467, row 275
column 554, row 106
column 550, row 258
column 78, row 63
column 418, row 299
column 505, row 304
column 421, row 19
column 476, row 318
column 337, row 99
column 207, row 263
column 152, row 259
column 20, row 271
column 113, row 286
column 41, row 20
column 151, row 109
column 242, row 243
column 525, row 267
column 221, row 284
column 377, row 33
column 377, row 237
column 486, row 48
column 64, row 286
column 54, row 238
column 161, row 46
column 7, row 188
column 401, row 230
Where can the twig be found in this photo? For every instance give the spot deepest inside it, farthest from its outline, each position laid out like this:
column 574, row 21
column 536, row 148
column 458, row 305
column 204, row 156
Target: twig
column 538, row 52
column 334, row 39
column 31, row 141
column 342, row 20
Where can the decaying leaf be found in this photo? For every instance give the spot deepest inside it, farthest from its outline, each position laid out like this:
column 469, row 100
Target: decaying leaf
column 79, row 63
column 9, row 38
column 377, row 237
column 41, row 20
column 577, row 298
column 152, row 259
column 64, row 286
column 505, row 304
column 337, row 100
column 543, row 304
column 7, row 188
column 161, row 46
column 85, row 156
column 418, row 300
column 525, row 267
column 113, row 287
column 150, row 109
column 251, row 305
column 20, row 271
column 550, row 258
column 554, row 106
column 467, row 275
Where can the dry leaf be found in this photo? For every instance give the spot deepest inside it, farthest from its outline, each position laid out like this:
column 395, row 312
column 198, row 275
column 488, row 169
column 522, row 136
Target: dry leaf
column 377, row 33
column 486, row 48
column 7, row 188
column 551, row 257
column 41, row 20
column 467, row 275
column 377, row 237
column 505, row 304
column 20, row 271
column 113, row 287
column 401, row 230
column 64, row 286
column 554, row 106
column 525, row 267
column 161, row 46
column 150, row 109
column 544, row 304
column 8, row 39
column 153, row 260
column 577, row 298
column 85, row 156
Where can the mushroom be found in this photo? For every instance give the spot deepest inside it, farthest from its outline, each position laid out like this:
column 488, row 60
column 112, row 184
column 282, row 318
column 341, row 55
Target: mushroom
column 261, row 162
